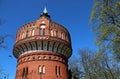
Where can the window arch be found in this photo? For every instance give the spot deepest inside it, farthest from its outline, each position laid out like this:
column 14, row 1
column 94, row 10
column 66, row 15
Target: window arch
column 30, row 33
column 56, row 33
column 41, row 69
column 25, row 73
column 62, row 35
column 33, row 32
column 27, row 34
column 23, row 35
column 42, row 31
column 51, row 32
column 57, row 70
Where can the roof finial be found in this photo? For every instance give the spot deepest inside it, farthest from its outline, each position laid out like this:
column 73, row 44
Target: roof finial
column 45, row 13
column 45, row 10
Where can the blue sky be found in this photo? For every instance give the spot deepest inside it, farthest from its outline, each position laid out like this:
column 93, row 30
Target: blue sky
column 73, row 14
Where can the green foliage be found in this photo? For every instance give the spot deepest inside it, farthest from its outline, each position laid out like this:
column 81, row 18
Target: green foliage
column 105, row 19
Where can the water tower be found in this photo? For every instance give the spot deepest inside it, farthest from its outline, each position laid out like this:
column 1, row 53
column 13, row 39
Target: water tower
column 42, row 49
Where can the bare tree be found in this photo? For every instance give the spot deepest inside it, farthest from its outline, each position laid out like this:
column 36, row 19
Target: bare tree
column 98, row 65
column 75, row 69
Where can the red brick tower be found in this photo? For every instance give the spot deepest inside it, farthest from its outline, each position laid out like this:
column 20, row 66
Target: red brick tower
column 42, row 49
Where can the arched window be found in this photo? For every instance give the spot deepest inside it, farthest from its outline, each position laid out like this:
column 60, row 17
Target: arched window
column 26, row 72
column 33, row 32
column 66, row 37
column 57, row 33
column 39, row 69
column 41, row 32
column 22, row 35
column 23, row 73
column 43, row 69
column 63, row 35
column 54, row 33
column 27, row 34
column 57, row 70
column 30, row 33
column 51, row 32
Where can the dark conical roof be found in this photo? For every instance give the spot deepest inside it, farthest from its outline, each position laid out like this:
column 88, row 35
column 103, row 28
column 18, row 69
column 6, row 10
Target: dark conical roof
column 45, row 13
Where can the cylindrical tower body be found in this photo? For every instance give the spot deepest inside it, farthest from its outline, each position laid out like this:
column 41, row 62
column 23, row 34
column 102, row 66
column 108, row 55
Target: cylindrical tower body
column 42, row 49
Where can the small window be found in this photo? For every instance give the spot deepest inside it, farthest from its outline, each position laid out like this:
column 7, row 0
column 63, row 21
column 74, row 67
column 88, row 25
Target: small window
column 51, row 32
column 23, row 73
column 27, row 34
column 57, row 33
column 33, row 32
column 54, row 33
column 43, row 69
column 26, row 72
column 62, row 36
column 22, row 35
column 40, row 69
column 41, row 32
column 57, row 70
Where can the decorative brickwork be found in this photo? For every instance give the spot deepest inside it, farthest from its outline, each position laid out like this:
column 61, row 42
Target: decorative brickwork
column 42, row 49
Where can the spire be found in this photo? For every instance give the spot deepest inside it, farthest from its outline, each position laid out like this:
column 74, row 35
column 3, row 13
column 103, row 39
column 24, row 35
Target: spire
column 45, row 10
column 45, row 13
